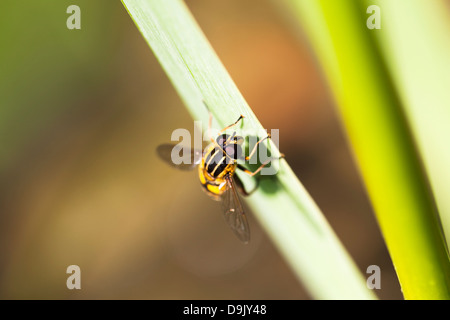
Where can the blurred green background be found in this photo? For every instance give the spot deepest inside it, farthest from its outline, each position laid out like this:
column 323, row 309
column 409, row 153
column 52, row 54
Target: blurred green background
column 81, row 114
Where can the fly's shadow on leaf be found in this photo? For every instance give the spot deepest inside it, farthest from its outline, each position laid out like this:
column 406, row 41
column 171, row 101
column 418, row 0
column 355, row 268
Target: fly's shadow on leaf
column 266, row 179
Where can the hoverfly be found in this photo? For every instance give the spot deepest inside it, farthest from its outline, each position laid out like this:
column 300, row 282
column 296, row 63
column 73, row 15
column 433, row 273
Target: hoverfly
column 216, row 167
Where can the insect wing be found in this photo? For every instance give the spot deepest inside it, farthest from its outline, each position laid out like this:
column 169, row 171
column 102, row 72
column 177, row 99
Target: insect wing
column 234, row 213
column 180, row 157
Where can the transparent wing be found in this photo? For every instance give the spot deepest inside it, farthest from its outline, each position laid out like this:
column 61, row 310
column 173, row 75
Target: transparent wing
column 233, row 211
column 180, row 157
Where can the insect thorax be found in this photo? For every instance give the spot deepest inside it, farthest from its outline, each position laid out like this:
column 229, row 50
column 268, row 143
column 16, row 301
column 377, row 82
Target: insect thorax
column 219, row 160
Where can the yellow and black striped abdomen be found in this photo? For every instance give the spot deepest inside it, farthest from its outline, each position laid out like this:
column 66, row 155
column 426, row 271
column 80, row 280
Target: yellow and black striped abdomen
column 215, row 162
column 213, row 169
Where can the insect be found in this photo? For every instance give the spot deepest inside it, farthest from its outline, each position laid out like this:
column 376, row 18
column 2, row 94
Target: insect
column 217, row 165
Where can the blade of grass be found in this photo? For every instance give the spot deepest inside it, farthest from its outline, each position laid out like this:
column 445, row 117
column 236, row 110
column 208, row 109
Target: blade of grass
column 418, row 47
column 281, row 204
column 381, row 140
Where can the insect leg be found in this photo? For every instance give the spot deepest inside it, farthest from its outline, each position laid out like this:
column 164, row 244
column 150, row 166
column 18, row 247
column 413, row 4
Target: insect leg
column 251, row 174
column 224, row 129
column 209, row 122
column 210, row 127
column 233, row 124
column 255, row 147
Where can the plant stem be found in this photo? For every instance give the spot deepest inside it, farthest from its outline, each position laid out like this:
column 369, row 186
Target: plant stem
column 381, row 140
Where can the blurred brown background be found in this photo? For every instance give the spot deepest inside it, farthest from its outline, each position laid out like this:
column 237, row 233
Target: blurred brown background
column 81, row 113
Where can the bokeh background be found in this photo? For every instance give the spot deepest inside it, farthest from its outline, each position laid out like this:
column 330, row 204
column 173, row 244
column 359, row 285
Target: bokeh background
column 81, row 114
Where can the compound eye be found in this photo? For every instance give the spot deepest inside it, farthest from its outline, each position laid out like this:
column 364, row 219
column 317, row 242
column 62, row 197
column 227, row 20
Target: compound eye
column 221, row 140
column 234, row 151
column 230, row 150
